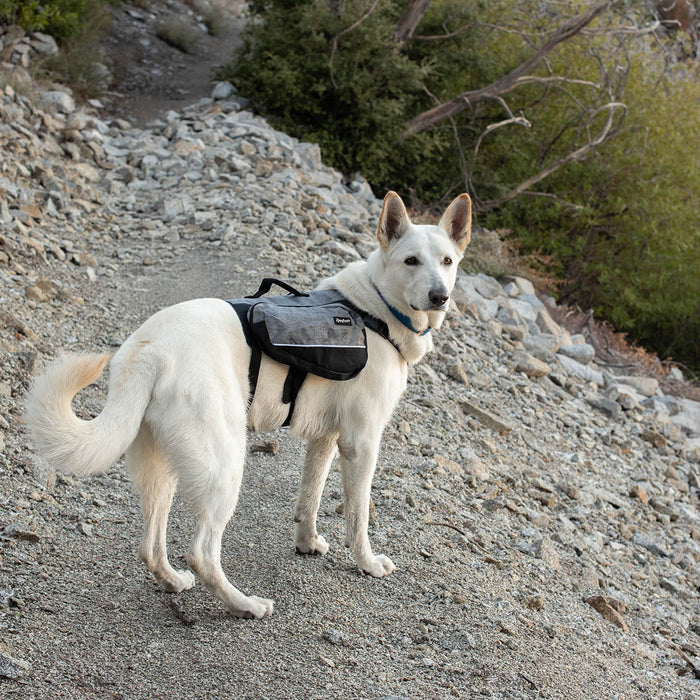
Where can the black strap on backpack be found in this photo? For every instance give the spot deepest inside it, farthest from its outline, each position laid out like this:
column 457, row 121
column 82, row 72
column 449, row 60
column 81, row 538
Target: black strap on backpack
column 374, row 324
column 267, row 283
column 295, row 377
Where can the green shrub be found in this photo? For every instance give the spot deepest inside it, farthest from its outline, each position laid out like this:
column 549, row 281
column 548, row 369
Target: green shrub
column 178, row 33
column 623, row 225
column 78, row 26
column 79, row 61
column 647, row 274
column 350, row 92
column 60, row 18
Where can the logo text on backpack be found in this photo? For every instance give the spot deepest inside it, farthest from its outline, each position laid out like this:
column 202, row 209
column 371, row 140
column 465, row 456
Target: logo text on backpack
column 342, row 320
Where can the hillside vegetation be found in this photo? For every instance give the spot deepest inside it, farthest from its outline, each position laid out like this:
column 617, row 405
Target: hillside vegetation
column 574, row 126
column 61, row 19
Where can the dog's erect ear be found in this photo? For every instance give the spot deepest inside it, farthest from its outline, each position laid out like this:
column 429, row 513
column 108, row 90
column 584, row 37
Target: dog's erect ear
column 457, row 221
column 393, row 221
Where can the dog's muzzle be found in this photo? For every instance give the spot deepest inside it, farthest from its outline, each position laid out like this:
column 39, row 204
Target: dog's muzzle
column 438, row 298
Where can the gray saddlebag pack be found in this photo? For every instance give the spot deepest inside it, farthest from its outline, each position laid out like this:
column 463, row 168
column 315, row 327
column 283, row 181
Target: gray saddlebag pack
column 319, row 333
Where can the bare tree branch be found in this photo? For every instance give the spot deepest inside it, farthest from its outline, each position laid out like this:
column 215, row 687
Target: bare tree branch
column 508, row 82
column 449, row 35
column 575, row 155
column 512, row 119
column 409, row 20
column 612, row 82
column 630, row 31
column 464, row 27
column 520, row 121
column 555, row 79
column 334, row 44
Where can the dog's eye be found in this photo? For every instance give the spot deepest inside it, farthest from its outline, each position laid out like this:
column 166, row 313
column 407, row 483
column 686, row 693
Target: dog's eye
column 447, row 261
column 412, row 260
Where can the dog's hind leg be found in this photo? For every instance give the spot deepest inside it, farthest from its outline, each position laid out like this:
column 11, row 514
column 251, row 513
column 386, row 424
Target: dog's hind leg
column 319, row 455
column 358, row 459
column 214, row 502
column 151, row 473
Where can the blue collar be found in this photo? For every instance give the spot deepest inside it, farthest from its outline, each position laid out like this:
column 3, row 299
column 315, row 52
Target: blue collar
column 402, row 318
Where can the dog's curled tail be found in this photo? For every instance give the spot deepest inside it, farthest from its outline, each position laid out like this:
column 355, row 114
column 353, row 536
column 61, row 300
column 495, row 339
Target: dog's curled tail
column 67, row 442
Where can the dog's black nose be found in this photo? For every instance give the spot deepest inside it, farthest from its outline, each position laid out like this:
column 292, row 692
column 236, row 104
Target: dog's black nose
column 438, row 296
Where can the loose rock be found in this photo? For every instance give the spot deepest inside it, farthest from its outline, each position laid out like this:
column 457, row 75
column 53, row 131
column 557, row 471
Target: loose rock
column 610, row 609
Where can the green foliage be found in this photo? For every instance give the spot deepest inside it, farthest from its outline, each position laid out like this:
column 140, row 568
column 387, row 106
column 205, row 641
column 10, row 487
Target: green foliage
column 79, row 61
column 350, row 90
column 647, row 274
column 60, row 18
column 77, row 25
column 178, row 33
column 627, row 237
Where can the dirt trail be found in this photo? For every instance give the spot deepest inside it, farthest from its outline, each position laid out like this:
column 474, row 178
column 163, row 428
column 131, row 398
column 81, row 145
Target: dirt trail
column 152, row 76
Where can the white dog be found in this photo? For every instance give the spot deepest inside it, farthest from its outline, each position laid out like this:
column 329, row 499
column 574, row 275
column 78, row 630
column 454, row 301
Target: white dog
column 178, row 396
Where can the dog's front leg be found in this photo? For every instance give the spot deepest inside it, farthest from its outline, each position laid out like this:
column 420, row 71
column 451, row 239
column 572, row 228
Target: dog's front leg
column 358, row 459
column 319, row 455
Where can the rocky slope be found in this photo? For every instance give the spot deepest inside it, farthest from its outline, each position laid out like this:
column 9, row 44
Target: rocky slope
column 542, row 507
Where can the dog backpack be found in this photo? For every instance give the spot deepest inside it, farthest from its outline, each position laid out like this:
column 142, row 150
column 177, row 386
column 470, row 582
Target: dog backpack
column 319, row 333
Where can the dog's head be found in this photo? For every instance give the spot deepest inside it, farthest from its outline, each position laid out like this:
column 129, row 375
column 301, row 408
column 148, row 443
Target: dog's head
column 421, row 261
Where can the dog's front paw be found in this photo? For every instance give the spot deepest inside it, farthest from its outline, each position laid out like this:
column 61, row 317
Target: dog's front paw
column 311, row 545
column 179, row 580
column 186, row 580
column 254, row 607
column 378, row 566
